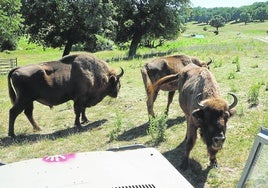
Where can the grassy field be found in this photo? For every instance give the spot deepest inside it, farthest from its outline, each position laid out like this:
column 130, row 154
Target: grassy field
column 240, row 66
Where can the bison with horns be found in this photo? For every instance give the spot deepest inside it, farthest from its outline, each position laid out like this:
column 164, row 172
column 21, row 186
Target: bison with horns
column 204, row 109
column 153, row 71
column 81, row 78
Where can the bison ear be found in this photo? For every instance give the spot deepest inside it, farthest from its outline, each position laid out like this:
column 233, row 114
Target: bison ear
column 198, row 114
column 112, row 80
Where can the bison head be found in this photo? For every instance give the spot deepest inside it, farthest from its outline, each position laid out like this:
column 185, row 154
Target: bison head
column 114, row 84
column 212, row 116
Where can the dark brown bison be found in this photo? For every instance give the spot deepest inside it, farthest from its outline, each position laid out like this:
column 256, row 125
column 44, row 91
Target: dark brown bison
column 159, row 68
column 200, row 100
column 82, row 78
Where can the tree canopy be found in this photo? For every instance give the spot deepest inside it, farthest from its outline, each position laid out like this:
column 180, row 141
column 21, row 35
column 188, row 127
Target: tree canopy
column 256, row 11
column 10, row 19
column 140, row 18
column 57, row 23
column 217, row 21
column 97, row 24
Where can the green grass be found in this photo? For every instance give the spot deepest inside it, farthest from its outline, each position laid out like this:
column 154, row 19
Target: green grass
column 58, row 136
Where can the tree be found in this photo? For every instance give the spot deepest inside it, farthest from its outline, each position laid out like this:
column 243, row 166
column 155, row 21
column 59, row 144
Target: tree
column 140, row 18
column 57, row 23
column 261, row 13
column 245, row 17
column 217, row 21
column 235, row 14
column 10, row 19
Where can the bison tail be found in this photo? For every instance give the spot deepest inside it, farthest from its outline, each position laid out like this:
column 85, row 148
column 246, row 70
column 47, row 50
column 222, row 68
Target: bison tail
column 146, row 79
column 166, row 79
column 11, row 91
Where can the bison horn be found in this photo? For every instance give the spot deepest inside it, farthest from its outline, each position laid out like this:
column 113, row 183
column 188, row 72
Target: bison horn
column 235, row 101
column 121, row 73
column 210, row 61
column 201, row 106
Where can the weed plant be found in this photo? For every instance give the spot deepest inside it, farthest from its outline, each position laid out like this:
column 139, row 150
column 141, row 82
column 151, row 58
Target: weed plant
column 157, row 128
column 113, row 135
column 236, row 62
column 253, row 94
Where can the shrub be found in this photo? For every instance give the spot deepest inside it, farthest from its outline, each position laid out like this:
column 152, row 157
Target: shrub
column 236, row 62
column 253, row 94
column 157, row 128
column 117, row 127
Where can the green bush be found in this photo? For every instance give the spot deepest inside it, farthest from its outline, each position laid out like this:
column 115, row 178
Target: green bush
column 157, row 128
column 117, row 127
column 253, row 94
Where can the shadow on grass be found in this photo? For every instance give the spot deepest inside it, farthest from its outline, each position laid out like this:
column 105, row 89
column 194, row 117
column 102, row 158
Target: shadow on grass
column 20, row 139
column 194, row 174
column 141, row 130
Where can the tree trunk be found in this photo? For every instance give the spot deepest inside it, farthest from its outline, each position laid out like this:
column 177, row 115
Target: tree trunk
column 134, row 44
column 68, row 48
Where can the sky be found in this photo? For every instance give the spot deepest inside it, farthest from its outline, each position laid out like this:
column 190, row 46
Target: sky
column 223, row 3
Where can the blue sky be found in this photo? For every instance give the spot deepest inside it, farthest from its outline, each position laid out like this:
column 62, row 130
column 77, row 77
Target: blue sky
column 223, row 3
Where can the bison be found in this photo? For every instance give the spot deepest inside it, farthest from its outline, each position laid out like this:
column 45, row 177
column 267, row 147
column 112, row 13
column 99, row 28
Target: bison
column 82, row 78
column 204, row 109
column 159, row 68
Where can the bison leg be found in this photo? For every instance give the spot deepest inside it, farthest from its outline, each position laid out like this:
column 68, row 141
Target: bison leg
column 190, row 142
column 77, row 110
column 212, row 157
column 28, row 111
column 170, row 99
column 150, row 102
column 150, row 105
column 13, row 113
column 84, row 117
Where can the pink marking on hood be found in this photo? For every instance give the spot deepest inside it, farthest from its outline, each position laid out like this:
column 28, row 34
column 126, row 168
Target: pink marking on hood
column 58, row 158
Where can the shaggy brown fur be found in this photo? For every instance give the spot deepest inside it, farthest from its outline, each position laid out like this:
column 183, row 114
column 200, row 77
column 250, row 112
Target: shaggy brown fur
column 81, row 78
column 210, row 115
column 153, row 71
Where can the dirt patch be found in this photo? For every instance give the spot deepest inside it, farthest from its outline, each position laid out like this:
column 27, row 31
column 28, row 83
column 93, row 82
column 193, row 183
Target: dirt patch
column 263, row 39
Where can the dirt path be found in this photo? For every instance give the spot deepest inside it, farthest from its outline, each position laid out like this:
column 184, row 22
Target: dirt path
column 263, row 39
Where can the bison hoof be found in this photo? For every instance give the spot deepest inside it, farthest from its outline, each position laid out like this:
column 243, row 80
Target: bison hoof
column 214, row 165
column 84, row 121
column 36, row 129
